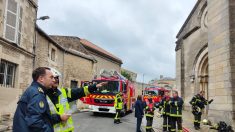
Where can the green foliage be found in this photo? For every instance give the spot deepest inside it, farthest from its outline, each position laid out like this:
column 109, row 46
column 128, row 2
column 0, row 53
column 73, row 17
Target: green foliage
column 126, row 75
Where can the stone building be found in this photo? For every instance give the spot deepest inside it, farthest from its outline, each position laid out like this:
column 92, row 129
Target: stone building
column 105, row 60
column 17, row 28
column 65, row 54
column 205, row 57
column 164, row 82
column 132, row 74
column 139, row 87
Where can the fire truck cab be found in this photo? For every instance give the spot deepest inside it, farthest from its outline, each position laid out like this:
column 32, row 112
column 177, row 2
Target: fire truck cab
column 102, row 100
column 156, row 92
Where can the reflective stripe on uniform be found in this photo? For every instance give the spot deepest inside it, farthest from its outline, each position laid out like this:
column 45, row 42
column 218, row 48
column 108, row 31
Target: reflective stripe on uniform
column 149, row 115
column 148, row 127
column 175, row 115
column 69, row 93
column 86, row 91
column 63, row 107
column 116, row 117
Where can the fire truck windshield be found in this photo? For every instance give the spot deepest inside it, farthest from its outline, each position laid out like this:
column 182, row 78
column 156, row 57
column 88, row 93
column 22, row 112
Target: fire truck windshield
column 111, row 88
column 152, row 92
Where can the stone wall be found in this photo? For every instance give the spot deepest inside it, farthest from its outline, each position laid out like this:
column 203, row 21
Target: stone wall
column 2, row 10
column 104, row 63
column 220, row 61
column 77, row 69
column 214, row 38
column 72, row 66
column 43, row 54
column 21, row 55
column 24, row 62
column 232, row 52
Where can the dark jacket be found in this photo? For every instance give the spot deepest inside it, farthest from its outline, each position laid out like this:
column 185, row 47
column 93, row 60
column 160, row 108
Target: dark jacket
column 149, row 111
column 199, row 101
column 139, row 109
column 164, row 105
column 76, row 93
column 32, row 112
column 176, row 106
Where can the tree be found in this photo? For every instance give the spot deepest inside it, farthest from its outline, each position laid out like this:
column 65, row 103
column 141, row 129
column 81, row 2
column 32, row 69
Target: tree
column 126, row 75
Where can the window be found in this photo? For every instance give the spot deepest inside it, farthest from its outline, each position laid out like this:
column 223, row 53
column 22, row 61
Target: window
column 53, row 54
column 124, row 87
column 13, row 21
column 73, row 84
column 7, row 73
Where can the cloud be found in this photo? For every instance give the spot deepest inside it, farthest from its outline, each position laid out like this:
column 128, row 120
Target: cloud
column 141, row 33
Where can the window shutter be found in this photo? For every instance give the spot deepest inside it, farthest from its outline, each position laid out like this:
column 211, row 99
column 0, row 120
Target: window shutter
column 11, row 20
column 20, row 25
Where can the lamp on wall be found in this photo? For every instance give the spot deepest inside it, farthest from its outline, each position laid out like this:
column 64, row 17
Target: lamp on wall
column 43, row 18
column 192, row 78
column 35, row 36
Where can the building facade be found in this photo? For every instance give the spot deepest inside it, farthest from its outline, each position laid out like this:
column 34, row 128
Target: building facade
column 24, row 47
column 132, row 74
column 205, row 57
column 164, row 82
column 105, row 60
column 17, row 28
column 67, row 56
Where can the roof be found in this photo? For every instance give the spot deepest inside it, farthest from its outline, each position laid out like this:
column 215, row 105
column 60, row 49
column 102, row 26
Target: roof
column 100, row 50
column 61, row 47
column 188, row 18
column 70, row 42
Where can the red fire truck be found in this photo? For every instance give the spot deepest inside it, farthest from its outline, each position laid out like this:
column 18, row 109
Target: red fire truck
column 102, row 100
column 156, row 92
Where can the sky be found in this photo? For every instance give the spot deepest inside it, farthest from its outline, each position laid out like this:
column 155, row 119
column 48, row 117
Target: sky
column 140, row 32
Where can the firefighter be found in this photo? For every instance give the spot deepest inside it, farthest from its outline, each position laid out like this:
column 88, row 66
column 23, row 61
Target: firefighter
column 176, row 105
column 198, row 103
column 118, row 103
column 149, row 112
column 59, row 97
column 164, row 108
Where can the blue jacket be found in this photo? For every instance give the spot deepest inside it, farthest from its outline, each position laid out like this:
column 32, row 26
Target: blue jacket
column 32, row 112
column 139, row 109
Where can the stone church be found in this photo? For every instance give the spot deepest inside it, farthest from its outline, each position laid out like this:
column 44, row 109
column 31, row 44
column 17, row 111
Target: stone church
column 205, row 57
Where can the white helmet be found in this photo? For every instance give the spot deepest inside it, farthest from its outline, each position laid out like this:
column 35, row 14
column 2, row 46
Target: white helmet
column 55, row 72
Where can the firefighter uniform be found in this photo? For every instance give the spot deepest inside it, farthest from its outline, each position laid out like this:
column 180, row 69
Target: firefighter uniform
column 58, row 100
column 118, row 103
column 176, row 105
column 32, row 112
column 198, row 103
column 149, row 113
column 164, row 108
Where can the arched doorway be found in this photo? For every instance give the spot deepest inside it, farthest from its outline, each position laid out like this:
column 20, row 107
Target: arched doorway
column 201, row 73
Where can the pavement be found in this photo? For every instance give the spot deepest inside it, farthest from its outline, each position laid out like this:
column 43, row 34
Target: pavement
column 102, row 122
column 88, row 122
column 6, row 123
column 187, row 123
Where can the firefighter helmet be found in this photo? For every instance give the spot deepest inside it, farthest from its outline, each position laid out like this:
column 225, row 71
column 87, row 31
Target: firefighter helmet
column 55, row 72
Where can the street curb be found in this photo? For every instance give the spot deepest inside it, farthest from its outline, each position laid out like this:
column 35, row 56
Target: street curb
column 3, row 128
column 82, row 111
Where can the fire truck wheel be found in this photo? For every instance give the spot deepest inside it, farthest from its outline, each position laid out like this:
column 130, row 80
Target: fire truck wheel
column 95, row 113
column 124, row 112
